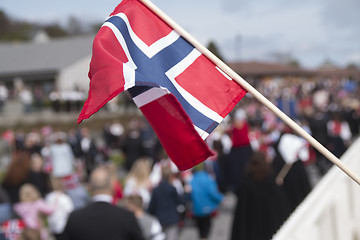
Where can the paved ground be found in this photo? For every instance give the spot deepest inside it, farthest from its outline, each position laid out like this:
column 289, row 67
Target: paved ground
column 221, row 224
column 221, row 229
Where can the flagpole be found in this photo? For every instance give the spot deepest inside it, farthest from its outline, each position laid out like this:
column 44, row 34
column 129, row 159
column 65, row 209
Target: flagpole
column 251, row 90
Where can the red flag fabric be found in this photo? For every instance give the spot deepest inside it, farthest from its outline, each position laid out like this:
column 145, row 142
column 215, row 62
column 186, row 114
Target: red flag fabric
column 182, row 93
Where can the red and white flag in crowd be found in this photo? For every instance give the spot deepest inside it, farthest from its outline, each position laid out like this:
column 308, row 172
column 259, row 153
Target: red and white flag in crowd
column 181, row 92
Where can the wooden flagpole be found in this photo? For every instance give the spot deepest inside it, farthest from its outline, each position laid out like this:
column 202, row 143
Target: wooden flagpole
column 252, row 90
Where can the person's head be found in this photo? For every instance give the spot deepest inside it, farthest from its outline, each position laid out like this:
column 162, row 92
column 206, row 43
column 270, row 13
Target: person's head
column 85, row 132
column 166, row 173
column 57, row 185
column 140, row 170
column 240, row 115
column 30, row 234
column 59, row 137
column 258, row 167
column 134, row 203
column 100, row 181
column 29, row 193
column 36, row 162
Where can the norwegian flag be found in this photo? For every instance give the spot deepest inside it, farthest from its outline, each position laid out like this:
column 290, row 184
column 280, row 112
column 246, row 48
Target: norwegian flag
column 182, row 93
column 13, row 228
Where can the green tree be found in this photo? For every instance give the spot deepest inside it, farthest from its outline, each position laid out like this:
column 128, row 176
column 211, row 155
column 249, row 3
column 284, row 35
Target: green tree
column 75, row 27
column 4, row 22
column 214, row 49
column 352, row 66
column 95, row 27
column 54, row 30
column 13, row 30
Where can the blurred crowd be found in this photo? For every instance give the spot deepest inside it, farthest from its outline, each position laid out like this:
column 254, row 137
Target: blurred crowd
column 256, row 157
column 35, row 99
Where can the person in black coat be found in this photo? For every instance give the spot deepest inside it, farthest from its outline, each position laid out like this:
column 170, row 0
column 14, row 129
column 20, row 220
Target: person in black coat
column 101, row 219
column 88, row 150
column 296, row 183
column 261, row 206
column 164, row 203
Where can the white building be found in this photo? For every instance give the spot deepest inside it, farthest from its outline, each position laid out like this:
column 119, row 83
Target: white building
column 60, row 63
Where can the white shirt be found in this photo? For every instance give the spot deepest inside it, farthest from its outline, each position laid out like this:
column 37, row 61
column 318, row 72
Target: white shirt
column 63, row 207
column 102, row 198
column 62, row 159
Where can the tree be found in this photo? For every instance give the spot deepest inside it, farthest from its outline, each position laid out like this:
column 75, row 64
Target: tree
column 14, row 30
column 4, row 22
column 352, row 66
column 95, row 27
column 214, row 49
column 55, row 30
column 74, row 26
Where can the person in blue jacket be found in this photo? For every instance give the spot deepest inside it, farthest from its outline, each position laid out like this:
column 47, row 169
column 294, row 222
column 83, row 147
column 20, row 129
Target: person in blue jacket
column 205, row 198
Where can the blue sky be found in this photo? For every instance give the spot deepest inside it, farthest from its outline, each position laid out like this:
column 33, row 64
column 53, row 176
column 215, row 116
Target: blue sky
column 310, row 31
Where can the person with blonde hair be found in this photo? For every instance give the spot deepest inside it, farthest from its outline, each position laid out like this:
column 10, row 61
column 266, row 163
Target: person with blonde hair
column 32, row 207
column 138, row 181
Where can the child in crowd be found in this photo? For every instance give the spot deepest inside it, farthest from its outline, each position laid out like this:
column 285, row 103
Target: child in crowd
column 149, row 225
column 63, row 206
column 32, row 207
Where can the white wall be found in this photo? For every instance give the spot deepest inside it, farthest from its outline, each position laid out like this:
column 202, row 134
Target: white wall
column 74, row 75
column 332, row 210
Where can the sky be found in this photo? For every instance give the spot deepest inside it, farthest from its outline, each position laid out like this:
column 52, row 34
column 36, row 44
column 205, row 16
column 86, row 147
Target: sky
column 310, row 31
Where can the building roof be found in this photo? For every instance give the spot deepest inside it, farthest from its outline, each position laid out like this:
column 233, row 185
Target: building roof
column 263, row 69
column 48, row 56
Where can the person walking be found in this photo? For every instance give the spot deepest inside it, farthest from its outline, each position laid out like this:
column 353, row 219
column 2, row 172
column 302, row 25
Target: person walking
column 101, row 219
column 262, row 206
column 164, row 205
column 149, row 224
column 205, row 198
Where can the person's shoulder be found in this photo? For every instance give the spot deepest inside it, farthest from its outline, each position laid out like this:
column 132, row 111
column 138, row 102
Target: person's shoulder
column 80, row 212
column 122, row 210
column 112, row 208
column 123, row 214
column 148, row 217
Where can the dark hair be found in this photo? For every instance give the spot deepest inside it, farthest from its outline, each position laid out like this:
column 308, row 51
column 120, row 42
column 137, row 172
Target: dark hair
column 18, row 169
column 257, row 167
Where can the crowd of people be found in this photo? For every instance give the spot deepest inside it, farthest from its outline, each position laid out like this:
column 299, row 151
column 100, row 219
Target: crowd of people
column 35, row 98
column 50, row 177
column 59, row 184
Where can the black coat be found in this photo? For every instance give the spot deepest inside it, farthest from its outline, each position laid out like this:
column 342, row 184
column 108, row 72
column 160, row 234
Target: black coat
column 261, row 209
column 296, row 182
column 101, row 220
column 163, row 204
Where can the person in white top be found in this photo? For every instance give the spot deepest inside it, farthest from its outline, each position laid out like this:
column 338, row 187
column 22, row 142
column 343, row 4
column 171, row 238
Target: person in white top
column 63, row 207
column 4, row 94
column 62, row 156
